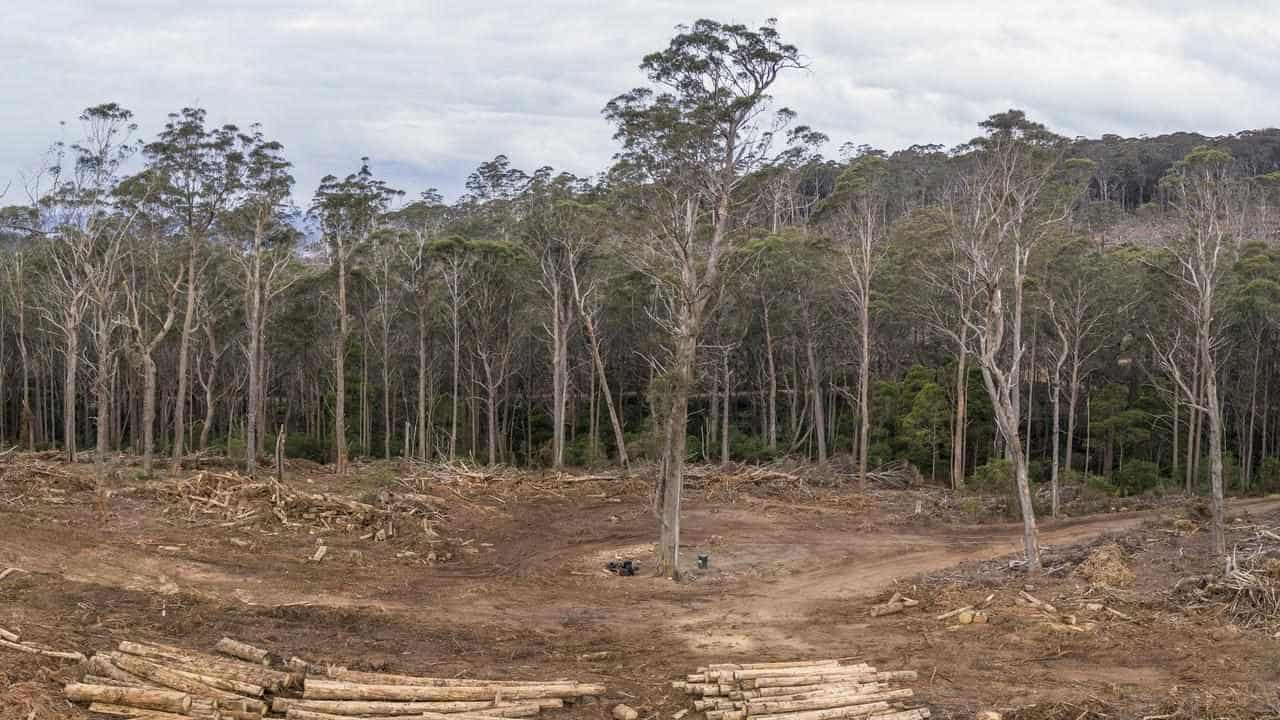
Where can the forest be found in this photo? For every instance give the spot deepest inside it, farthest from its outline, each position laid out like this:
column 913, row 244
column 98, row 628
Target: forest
column 1023, row 310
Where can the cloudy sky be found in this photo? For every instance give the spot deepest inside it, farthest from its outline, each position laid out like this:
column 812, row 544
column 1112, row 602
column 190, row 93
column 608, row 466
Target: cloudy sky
column 429, row 89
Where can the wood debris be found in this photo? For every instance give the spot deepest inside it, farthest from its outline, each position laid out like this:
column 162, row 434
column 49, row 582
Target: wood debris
column 244, row 682
column 801, row 690
column 896, row 604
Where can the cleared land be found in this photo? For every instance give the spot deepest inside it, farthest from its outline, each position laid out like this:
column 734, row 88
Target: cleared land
column 433, row 571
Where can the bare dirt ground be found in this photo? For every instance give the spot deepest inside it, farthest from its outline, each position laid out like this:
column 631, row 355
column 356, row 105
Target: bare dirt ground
column 504, row 578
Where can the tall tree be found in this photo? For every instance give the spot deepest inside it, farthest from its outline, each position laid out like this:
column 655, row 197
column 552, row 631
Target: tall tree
column 262, row 241
column 860, row 223
column 1211, row 202
column 348, row 212
column 686, row 146
column 88, row 240
column 198, row 171
column 1016, row 192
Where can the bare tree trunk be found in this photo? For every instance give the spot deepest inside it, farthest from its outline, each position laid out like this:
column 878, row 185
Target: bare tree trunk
column 102, row 383
column 491, row 412
column 1193, row 430
column 209, row 407
column 1213, row 413
column 386, row 388
column 184, row 362
column 619, row 438
column 252, row 420
column 148, row 412
column 1253, row 413
column 819, row 416
column 559, row 369
column 340, row 369
column 72, row 331
column 424, row 434
column 864, row 380
column 1073, row 399
column 457, row 361
column 724, row 415
column 962, row 412
column 1057, row 396
column 671, row 467
column 771, row 422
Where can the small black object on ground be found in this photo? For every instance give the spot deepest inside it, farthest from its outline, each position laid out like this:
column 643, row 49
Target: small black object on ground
column 626, row 568
column 704, row 559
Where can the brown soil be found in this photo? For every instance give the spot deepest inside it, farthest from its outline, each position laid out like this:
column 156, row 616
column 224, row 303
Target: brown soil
column 514, row 586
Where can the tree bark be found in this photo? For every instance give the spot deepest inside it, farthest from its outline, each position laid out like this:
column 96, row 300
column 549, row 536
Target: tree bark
column 958, row 434
column 724, row 415
column 340, row 369
column 424, row 433
column 184, row 361
column 771, row 422
column 864, row 378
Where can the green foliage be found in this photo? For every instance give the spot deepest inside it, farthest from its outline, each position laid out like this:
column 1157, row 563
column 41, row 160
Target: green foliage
column 995, row 477
column 1137, row 477
column 1268, row 476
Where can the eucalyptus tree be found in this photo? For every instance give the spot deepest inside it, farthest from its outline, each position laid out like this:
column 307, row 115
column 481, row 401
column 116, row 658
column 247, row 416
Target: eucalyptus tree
column 13, row 273
column 88, row 233
column 544, row 239
column 585, row 231
column 859, row 221
column 1016, row 191
column 1211, row 202
column 421, row 223
column 687, row 141
column 261, row 242
column 151, row 286
column 198, row 172
column 348, row 211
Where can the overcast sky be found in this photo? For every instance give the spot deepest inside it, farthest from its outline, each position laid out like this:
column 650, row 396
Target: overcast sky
column 429, row 89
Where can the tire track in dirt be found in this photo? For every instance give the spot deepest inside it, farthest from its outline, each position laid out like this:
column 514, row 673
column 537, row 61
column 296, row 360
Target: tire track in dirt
column 792, row 599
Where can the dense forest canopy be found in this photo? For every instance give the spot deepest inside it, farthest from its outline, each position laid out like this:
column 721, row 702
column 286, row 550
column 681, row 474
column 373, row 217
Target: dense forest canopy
column 1022, row 309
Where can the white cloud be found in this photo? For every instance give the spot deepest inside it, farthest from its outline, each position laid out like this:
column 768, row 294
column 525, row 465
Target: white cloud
column 430, row 89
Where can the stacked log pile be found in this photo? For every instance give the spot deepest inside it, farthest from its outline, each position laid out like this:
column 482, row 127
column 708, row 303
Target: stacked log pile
column 150, row 681
column 801, row 690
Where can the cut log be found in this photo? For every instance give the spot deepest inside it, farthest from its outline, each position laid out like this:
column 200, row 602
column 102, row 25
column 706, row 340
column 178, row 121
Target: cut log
column 850, row 711
column 342, row 690
column 7, row 635
column 180, row 680
column 33, row 650
column 382, row 708
column 803, row 692
column 833, row 701
column 1037, row 602
column 738, row 675
column 101, row 665
column 133, row 712
column 147, row 698
column 243, row 651
column 301, row 713
column 953, row 613
column 915, row 714
column 765, row 665
column 191, row 661
column 229, row 688
column 890, row 676
column 371, row 678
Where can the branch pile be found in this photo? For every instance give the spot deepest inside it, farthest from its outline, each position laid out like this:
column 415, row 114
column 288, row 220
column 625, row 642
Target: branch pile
column 150, row 681
column 801, row 690
column 1248, row 592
